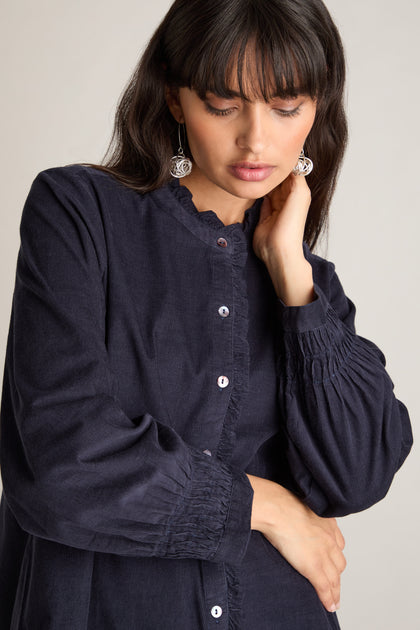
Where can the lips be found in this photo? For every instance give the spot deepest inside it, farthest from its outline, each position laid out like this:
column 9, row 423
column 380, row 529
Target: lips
column 251, row 171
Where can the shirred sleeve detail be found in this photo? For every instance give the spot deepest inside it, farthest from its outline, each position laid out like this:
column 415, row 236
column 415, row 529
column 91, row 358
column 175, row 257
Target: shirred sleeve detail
column 206, row 495
column 76, row 469
column 303, row 318
column 347, row 433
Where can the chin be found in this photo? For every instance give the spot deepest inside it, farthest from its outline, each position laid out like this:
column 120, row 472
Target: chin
column 252, row 190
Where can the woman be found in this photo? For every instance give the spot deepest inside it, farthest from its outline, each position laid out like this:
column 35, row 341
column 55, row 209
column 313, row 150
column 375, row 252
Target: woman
column 186, row 406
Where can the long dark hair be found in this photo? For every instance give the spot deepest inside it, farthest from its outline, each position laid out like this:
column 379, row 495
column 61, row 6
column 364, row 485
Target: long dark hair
column 197, row 45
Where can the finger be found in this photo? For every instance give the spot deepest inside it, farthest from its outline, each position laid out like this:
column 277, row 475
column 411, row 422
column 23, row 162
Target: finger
column 336, row 533
column 340, row 539
column 300, row 188
column 333, row 571
column 327, row 586
column 333, row 574
column 325, row 575
column 339, row 559
column 293, row 194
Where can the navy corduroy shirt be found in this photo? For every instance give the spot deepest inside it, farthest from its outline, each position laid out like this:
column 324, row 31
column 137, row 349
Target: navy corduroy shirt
column 149, row 366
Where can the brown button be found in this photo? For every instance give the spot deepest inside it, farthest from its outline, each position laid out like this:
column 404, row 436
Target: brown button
column 222, row 242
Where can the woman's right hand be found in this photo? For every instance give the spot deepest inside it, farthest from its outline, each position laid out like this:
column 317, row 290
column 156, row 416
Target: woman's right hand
column 311, row 544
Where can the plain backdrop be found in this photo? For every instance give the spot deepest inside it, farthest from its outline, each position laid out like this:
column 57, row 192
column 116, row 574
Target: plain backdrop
column 63, row 66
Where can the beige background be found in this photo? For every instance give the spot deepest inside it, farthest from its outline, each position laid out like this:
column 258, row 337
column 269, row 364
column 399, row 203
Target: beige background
column 63, row 66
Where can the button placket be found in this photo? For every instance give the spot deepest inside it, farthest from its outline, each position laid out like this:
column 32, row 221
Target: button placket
column 222, row 334
column 223, row 382
column 216, row 595
column 214, row 576
column 224, row 311
column 216, row 612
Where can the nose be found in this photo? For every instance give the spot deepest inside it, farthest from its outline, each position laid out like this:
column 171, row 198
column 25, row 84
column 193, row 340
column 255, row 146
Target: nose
column 252, row 132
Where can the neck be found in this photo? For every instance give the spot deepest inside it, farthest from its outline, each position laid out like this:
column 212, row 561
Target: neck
column 206, row 196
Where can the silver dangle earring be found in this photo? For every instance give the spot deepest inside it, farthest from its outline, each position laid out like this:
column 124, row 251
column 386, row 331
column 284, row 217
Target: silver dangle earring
column 181, row 166
column 304, row 165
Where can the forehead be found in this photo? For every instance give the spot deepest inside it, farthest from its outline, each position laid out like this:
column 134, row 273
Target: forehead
column 252, row 75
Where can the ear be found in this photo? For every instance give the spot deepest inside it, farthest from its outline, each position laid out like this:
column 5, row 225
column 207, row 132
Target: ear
column 172, row 100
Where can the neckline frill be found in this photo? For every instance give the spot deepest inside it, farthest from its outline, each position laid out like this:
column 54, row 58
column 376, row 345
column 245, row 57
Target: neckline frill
column 185, row 198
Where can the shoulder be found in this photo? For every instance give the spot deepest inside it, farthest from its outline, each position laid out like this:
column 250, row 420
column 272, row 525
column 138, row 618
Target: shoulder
column 90, row 187
column 86, row 193
column 75, row 180
column 80, row 198
column 71, row 204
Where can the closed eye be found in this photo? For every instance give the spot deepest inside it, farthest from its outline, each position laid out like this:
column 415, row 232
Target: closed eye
column 218, row 112
column 288, row 113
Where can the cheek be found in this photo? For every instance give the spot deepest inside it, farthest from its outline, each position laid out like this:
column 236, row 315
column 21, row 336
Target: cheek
column 204, row 138
column 299, row 134
column 307, row 124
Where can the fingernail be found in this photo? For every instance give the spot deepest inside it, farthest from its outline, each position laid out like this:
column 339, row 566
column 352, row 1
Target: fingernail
column 335, row 607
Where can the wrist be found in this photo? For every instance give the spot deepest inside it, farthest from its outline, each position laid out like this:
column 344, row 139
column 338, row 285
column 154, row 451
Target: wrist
column 265, row 505
column 291, row 275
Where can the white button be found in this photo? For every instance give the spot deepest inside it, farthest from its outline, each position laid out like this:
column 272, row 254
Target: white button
column 216, row 612
column 207, row 452
column 224, row 311
column 223, row 381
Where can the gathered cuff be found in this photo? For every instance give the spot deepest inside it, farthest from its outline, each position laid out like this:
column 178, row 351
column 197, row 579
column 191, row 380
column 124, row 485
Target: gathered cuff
column 304, row 318
column 237, row 529
column 213, row 519
column 314, row 341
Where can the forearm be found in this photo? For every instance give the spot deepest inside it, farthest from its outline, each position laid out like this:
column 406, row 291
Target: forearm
column 266, row 506
column 291, row 275
column 278, row 241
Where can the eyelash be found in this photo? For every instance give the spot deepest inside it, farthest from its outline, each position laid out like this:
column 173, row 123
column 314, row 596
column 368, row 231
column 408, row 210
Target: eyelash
column 225, row 112
column 218, row 112
column 291, row 113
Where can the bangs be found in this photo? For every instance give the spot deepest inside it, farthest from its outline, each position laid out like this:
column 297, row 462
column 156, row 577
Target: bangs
column 251, row 48
column 255, row 54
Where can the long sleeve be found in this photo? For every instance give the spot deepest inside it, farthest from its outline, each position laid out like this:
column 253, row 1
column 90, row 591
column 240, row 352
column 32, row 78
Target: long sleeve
column 76, row 469
column 347, row 433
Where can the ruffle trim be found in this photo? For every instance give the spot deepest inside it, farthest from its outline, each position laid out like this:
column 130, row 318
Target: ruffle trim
column 185, row 198
column 240, row 348
column 235, row 597
column 241, row 361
